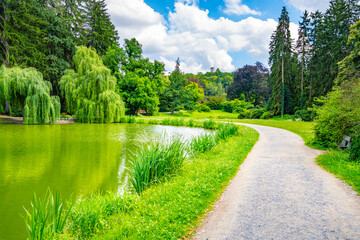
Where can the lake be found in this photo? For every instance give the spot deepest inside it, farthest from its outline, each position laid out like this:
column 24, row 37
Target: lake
column 74, row 159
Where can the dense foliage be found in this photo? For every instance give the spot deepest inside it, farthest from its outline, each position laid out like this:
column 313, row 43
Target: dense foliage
column 340, row 115
column 26, row 90
column 90, row 89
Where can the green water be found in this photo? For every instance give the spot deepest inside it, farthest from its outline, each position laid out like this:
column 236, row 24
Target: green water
column 74, row 159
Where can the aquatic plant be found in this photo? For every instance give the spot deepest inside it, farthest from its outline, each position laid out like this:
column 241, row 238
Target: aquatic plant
column 46, row 217
column 154, row 162
column 202, row 143
column 90, row 89
column 225, row 130
column 24, row 88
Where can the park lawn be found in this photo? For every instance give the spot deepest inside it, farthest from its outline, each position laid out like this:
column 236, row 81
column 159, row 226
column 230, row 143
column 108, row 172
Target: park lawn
column 335, row 162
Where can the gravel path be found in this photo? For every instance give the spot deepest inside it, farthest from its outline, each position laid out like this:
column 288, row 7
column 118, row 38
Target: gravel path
column 280, row 193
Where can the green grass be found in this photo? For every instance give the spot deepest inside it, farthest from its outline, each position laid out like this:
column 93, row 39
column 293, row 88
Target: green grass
column 170, row 209
column 215, row 114
column 303, row 129
column 337, row 163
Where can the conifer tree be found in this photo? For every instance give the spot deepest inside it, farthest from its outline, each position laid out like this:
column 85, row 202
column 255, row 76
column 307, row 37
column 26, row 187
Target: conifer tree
column 102, row 33
column 303, row 50
column 280, row 62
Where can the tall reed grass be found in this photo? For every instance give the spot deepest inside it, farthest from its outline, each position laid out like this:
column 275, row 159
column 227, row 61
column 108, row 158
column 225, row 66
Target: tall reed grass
column 225, row 131
column 201, row 143
column 47, row 216
column 156, row 161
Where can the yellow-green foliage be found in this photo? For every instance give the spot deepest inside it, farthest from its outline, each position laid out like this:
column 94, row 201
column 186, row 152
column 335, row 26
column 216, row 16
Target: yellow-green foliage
column 26, row 88
column 90, row 89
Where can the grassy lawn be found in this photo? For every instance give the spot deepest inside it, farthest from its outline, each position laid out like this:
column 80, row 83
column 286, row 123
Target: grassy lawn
column 336, row 162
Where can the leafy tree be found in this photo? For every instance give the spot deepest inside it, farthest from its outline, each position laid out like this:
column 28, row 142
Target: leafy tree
column 280, row 61
column 140, row 82
column 138, row 93
column 252, row 81
column 26, row 89
column 339, row 114
column 90, row 89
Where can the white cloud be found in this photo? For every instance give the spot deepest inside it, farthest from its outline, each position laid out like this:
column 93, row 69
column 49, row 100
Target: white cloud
column 190, row 34
column 237, row 8
column 310, row 5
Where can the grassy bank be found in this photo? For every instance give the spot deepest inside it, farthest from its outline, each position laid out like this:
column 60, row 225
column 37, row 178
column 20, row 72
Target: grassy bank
column 337, row 163
column 169, row 207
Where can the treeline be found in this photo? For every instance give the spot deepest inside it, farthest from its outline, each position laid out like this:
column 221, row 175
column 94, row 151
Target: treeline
column 306, row 69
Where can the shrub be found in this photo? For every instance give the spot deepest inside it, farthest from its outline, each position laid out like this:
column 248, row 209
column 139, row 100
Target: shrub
column 257, row 113
column 355, row 148
column 244, row 114
column 215, row 103
column 203, row 108
column 266, row 115
column 338, row 116
column 305, row 115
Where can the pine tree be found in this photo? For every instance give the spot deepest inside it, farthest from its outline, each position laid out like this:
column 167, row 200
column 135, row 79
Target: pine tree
column 280, row 62
column 328, row 37
column 303, row 50
column 102, row 33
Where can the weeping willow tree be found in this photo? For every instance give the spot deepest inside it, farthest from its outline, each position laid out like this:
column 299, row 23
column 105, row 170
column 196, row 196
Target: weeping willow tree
column 26, row 89
column 90, row 90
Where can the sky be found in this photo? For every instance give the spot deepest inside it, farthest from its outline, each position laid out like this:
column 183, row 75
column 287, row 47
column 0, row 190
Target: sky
column 224, row 34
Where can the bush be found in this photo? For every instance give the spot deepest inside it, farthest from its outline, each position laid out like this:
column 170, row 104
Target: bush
column 203, row 108
column 338, row 116
column 215, row 103
column 355, row 149
column 244, row 114
column 236, row 106
column 257, row 113
column 266, row 115
column 305, row 115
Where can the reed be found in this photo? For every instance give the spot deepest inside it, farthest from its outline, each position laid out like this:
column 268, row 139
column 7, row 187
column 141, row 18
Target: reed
column 47, row 216
column 158, row 160
column 225, row 131
column 201, row 143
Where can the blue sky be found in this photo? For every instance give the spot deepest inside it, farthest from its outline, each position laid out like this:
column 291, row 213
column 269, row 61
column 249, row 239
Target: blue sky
column 225, row 34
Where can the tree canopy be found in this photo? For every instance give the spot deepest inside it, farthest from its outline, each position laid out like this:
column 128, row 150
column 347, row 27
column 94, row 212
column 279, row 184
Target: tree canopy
column 26, row 89
column 89, row 90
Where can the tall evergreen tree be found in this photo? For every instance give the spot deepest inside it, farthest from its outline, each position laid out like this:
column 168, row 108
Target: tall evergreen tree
column 328, row 36
column 102, row 33
column 280, row 62
column 303, row 50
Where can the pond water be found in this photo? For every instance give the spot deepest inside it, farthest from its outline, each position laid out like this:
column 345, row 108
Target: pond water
column 74, row 159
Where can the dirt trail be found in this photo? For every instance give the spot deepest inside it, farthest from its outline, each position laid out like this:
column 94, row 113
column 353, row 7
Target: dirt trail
column 280, row 193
